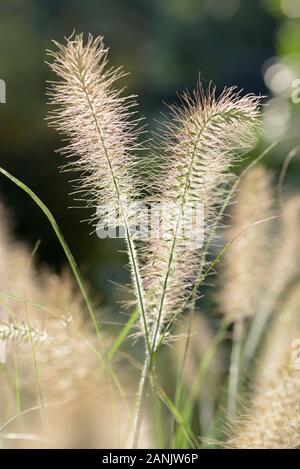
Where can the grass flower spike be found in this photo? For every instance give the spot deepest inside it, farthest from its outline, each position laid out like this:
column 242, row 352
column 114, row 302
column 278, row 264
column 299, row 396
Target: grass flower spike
column 102, row 136
column 198, row 148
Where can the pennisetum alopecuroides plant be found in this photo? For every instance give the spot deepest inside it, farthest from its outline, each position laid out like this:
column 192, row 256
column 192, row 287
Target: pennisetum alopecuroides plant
column 197, row 149
column 188, row 178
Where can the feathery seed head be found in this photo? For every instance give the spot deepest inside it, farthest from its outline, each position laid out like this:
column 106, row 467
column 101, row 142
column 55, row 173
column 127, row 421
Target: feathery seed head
column 97, row 121
column 198, row 149
column 102, row 136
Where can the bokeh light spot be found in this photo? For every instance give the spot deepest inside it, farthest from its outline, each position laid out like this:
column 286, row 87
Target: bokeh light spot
column 278, row 77
column 291, row 8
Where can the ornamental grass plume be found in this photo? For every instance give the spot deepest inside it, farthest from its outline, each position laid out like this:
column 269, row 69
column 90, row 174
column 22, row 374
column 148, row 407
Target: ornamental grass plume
column 198, row 148
column 103, row 138
column 245, row 271
column 73, row 401
column 281, row 296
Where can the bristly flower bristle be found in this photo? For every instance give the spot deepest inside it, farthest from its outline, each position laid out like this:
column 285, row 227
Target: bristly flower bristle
column 198, row 149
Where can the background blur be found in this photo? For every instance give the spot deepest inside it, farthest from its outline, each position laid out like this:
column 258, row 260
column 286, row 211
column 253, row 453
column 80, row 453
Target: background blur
column 165, row 44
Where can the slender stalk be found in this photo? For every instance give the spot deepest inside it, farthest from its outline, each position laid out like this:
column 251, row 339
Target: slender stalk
column 191, row 438
column 254, row 336
column 123, row 334
column 291, row 155
column 27, row 411
column 141, row 393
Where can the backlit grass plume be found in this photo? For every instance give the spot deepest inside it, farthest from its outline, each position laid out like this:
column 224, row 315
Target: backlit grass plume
column 102, row 134
column 32, row 301
column 198, row 149
column 26, row 293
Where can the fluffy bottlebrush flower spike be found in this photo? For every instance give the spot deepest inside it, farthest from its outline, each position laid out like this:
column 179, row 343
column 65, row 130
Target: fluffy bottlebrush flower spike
column 102, row 135
column 273, row 418
column 198, row 149
column 246, row 262
column 96, row 120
